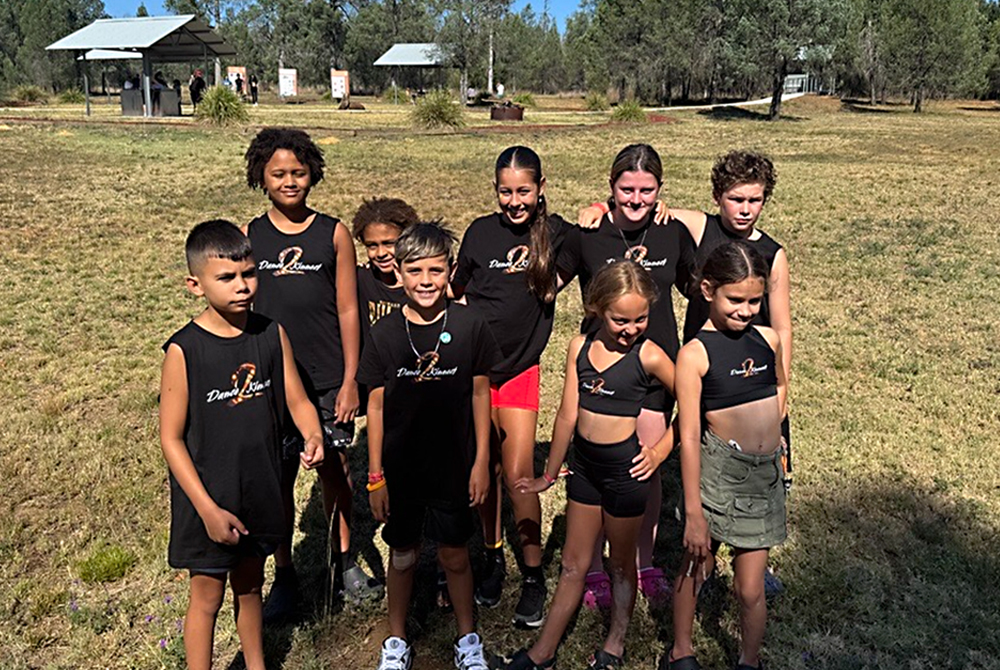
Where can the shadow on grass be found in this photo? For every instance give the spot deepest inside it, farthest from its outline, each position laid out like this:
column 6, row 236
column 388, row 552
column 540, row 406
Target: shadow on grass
column 860, row 107
column 995, row 109
column 877, row 574
column 741, row 114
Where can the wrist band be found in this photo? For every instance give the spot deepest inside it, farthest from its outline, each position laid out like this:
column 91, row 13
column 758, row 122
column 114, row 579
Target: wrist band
column 375, row 477
column 375, row 486
column 549, row 479
column 603, row 206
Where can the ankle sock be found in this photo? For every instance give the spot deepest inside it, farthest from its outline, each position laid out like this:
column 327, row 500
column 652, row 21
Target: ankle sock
column 533, row 572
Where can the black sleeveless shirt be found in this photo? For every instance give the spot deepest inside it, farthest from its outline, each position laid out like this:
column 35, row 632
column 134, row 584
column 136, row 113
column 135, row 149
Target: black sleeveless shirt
column 741, row 368
column 236, row 399
column 716, row 235
column 619, row 389
column 296, row 286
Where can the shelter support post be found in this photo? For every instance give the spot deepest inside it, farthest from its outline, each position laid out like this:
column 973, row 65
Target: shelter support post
column 86, row 84
column 147, row 75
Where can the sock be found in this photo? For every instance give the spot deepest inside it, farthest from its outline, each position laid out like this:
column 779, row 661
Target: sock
column 346, row 562
column 533, row 572
column 495, row 554
column 285, row 574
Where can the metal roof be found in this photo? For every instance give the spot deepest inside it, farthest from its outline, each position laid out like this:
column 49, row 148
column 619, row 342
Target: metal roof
column 110, row 54
column 420, row 54
column 164, row 38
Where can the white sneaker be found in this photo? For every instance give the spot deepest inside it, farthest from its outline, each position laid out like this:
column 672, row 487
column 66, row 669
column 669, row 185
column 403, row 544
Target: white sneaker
column 396, row 655
column 469, row 653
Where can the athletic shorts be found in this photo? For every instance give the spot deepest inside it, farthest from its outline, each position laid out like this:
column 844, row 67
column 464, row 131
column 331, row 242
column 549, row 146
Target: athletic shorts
column 336, row 436
column 601, row 477
column 410, row 521
column 742, row 495
column 521, row 392
column 247, row 548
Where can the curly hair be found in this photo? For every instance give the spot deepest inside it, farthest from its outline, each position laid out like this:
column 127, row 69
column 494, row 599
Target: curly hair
column 391, row 211
column 270, row 140
column 743, row 167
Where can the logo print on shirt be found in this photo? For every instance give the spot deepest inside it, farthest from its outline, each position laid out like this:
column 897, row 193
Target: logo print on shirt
column 288, row 263
column 379, row 308
column 747, row 370
column 637, row 254
column 245, row 387
column 425, row 366
column 517, row 260
column 596, row 387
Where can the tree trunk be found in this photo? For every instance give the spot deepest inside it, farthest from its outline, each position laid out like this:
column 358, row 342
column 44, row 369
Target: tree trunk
column 777, row 89
column 463, row 84
column 918, row 100
column 489, row 70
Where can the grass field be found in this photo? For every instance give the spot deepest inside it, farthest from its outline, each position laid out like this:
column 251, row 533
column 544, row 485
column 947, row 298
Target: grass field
column 890, row 221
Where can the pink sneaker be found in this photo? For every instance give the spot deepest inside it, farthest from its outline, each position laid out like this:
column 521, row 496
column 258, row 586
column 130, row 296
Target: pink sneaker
column 597, row 590
column 655, row 586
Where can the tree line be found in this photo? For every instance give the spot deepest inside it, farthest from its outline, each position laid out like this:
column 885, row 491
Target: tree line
column 659, row 52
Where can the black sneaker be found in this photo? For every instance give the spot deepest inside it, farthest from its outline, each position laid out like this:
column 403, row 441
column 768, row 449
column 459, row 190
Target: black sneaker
column 530, row 610
column 491, row 588
column 282, row 601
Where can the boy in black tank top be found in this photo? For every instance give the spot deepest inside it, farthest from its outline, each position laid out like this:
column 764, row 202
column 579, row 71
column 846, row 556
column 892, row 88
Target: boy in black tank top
column 306, row 265
column 742, row 183
column 427, row 367
column 227, row 378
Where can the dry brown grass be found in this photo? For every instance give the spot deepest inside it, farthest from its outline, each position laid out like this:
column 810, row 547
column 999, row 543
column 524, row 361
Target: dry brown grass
column 889, row 219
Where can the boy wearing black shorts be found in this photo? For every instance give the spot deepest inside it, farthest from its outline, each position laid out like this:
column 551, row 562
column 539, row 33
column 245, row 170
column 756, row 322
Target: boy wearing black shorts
column 426, row 366
column 228, row 376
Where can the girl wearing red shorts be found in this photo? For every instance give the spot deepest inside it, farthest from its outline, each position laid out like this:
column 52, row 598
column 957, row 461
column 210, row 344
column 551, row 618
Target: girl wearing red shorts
column 506, row 270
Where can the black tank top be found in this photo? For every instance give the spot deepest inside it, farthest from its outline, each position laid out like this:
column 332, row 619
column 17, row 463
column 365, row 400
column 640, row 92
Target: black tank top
column 618, row 390
column 714, row 236
column 296, row 279
column 236, row 400
column 740, row 368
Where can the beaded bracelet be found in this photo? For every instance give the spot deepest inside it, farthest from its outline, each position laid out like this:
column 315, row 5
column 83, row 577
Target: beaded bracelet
column 375, row 477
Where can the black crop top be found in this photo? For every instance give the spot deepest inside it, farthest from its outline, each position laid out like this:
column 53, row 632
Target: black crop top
column 617, row 391
column 741, row 368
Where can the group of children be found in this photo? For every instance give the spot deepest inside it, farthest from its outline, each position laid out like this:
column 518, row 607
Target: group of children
column 442, row 356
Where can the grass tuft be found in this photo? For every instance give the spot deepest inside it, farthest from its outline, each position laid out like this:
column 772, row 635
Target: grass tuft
column 72, row 96
column 29, row 93
column 222, row 107
column 107, row 564
column 597, row 102
column 525, row 99
column 629, row 111
column 438, row 110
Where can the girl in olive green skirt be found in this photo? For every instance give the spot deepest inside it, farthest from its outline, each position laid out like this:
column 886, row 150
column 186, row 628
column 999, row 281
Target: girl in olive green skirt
column 731, row 390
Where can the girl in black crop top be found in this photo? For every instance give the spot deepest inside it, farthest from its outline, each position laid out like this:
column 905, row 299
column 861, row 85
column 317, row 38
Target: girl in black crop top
column 731, row 394
column 607, row 376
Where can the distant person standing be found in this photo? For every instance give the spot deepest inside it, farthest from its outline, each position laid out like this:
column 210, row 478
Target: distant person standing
column 500, row 90
column 253, row 89
column 196, row 86
column 239, row 84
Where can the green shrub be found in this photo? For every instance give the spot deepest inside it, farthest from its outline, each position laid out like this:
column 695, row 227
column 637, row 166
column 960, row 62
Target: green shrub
column 525, row 100
column 72, row 96
column 597, row 102
column 29, row 94
column 107, row 564
column 221, row 106
column 438, row 110
column 628, row 111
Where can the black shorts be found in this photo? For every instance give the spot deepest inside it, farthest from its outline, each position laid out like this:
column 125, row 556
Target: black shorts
column 409, row 521
column 601, row 477
column 336, row 436
column 786, row 432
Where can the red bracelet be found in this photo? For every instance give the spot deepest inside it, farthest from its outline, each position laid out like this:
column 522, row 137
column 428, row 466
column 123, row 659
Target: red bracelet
column 375, row 477
column 549, row 479
column 603, row 206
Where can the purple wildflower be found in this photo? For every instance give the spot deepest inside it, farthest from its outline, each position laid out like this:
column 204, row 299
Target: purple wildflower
column 163, row 643
column 149, row 618
column 168, row 599
column 73, row 606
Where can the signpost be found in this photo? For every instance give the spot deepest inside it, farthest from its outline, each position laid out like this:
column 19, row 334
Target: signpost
column 340, row 84
column 288, row 82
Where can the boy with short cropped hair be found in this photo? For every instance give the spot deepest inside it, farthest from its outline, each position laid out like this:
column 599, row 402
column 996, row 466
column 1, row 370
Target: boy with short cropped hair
column 427, row 367
column 228, row 376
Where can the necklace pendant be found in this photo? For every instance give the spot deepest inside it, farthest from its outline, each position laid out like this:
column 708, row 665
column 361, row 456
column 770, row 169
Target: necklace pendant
column 445, row 337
